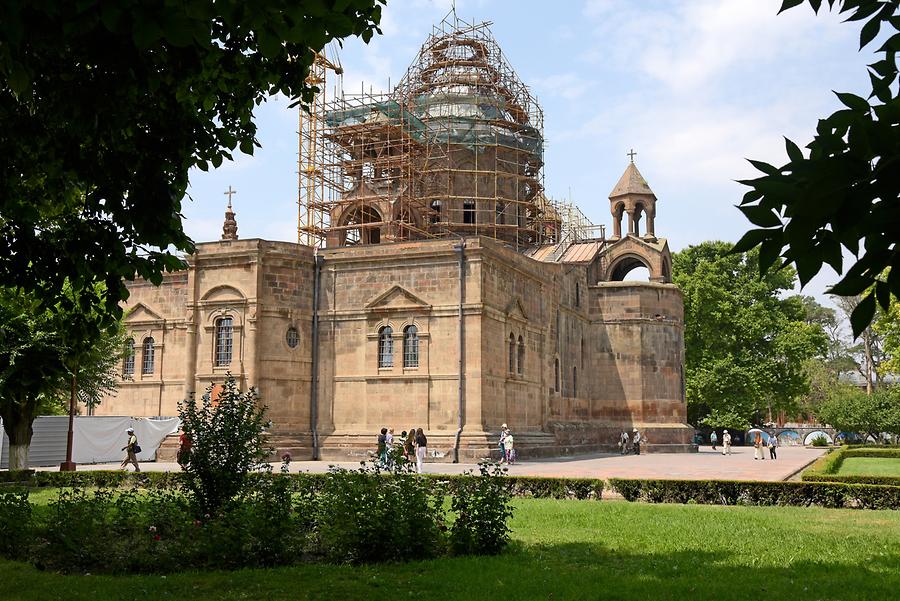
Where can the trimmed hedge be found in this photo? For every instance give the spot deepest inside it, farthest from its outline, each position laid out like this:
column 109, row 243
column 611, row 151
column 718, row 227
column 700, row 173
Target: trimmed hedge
column 729, row 492
column 520, row 486
column 860, row 479
column 96, row 478
column 826, row 468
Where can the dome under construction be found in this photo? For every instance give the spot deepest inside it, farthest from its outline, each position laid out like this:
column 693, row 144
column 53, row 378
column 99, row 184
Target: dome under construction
column 456, row 147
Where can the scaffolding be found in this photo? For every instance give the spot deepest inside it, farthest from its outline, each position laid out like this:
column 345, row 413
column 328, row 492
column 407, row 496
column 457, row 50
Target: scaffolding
column 456, row 147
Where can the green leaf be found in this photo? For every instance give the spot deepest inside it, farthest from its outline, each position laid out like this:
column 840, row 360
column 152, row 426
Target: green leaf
column 19, row 80
column 869, row 31
column 793, row 151
column 852, row 101
column 761, row 216
column 850, row 285
column 750, row 240
column 862, row 315
column 764, row 167
column 883, row 294
column 789, row 4
column 769, row 252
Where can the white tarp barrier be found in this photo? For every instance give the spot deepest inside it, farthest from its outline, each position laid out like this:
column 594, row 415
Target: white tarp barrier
column 99, row 439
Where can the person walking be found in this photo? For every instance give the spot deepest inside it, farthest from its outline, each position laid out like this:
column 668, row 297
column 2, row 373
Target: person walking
column 636, row 441
column 381, row 451
column 726, row 443
column 421, row 449
column 502, row 444
column 409, row 445
column 773, row 442
column 757, row 448
column 509, row 442
column 623, row 442
column 132, row 448
column 713, row 439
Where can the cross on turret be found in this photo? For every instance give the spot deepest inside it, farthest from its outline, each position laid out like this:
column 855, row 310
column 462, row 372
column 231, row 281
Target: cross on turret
column 631, row 154
column 229, row 228
column 231, row 193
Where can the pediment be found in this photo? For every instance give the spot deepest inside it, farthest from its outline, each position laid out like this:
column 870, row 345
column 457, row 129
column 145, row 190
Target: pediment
column 516, row 309
column 397, row 297
column 625, row 242
column 141, row 313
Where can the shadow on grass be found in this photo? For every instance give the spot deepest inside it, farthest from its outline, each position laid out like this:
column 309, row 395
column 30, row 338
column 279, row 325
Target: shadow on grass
column 554, row 571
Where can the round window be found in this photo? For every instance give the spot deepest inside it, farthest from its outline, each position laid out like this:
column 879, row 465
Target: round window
column 292, row 337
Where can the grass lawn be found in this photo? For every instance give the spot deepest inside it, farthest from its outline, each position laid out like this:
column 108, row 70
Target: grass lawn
column 870, row 466
column 571, row 550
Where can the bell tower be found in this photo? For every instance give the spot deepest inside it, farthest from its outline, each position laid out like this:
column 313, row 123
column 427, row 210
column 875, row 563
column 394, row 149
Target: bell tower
column 632, row 196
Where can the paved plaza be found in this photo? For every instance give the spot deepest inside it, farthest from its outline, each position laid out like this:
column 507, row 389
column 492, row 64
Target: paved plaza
column 706, row 464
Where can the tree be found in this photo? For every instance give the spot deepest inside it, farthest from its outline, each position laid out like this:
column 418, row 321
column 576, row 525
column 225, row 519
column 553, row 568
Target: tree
column 50, row 360
column 887, row 327
column 845, row 189
column 105, row 106
column 869, row 354
column 31, row 361
column 852, row 410
column 745, row 346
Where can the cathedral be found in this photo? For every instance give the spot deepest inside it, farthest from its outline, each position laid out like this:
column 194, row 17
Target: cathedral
column 433, row 285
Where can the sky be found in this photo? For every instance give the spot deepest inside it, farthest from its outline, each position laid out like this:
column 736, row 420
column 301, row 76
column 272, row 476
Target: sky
column 694, row 87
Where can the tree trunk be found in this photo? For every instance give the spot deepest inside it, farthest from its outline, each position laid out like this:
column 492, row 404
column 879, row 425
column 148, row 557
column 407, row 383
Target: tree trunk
column 18, row 429
column 867, row 344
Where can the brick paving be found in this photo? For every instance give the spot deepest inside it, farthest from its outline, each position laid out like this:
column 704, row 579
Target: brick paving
column 706, row 464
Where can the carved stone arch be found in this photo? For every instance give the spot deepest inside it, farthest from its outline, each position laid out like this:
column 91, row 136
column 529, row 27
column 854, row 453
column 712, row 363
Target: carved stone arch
column 223, row 293
column 360, row 223
column 624, row 264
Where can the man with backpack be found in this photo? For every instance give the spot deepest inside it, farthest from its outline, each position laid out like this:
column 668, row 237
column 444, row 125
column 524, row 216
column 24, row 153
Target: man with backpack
column 131, row 449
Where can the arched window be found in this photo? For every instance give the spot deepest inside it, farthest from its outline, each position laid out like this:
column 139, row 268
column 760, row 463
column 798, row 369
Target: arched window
column 147, row 356
column 521, row 358
column 501, row 213
column 411, row 346
column 582, row 351
column 386, row 347
column 577, row 295
column 468, row 211
column 574, row 381
column 224, row 341
column 512, row 354
column 556, row 374
column 128, row 354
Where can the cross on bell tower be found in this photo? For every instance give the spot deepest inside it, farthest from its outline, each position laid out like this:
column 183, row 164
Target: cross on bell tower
column 229, row 228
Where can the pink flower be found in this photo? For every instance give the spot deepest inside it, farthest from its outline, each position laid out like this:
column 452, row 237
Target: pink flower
column 152, row 528
column 155, row 537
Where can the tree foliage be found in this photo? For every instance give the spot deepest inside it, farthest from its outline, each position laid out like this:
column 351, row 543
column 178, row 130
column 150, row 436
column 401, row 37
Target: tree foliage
column 845, row 189
column 106, row 106
column 42, row 351
column 852, row 410
column 745, row 346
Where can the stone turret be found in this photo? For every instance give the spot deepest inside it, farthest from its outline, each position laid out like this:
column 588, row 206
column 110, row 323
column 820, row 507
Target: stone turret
column 229, row 228
column 633, row 196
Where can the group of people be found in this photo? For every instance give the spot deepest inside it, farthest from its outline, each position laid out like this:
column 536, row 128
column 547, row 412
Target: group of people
column 411, row 444
column 507, row 446
column 758, row 444
column 630, row 444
